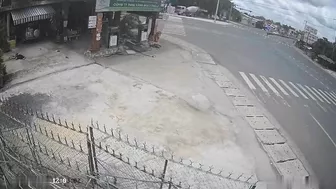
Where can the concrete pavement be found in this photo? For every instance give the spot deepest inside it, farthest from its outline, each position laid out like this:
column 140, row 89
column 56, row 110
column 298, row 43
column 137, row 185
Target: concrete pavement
column 168, row 100
column 298, row 94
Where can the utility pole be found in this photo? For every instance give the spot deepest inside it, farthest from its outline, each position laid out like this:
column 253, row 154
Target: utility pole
column 333, row 55
column 230, row 11
column 304, row 29
column 216, row 11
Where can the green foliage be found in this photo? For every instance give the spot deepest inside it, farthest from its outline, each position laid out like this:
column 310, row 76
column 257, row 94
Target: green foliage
column 4, row 45
column 259, row 17
column 324, row 47
column 3, row 71
column 277, row 23
column 236, row 15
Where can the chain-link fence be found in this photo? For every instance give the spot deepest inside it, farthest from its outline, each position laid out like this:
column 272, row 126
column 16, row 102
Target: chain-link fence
column 35, row 143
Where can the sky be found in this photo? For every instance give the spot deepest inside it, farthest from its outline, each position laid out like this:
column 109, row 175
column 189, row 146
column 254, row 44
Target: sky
column 319, row 14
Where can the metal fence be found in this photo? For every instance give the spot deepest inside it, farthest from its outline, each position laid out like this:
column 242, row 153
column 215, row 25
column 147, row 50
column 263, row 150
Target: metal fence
column 35, row 144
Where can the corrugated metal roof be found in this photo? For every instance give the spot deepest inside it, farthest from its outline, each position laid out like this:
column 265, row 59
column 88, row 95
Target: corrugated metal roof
column 32, row 14
column 326, row 58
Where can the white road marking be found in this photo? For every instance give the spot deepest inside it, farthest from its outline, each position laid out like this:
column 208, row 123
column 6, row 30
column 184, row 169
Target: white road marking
column 330, row 96
column 304, row 89
column 333, row 94
column 270, row 86
column 321, row 95
column 247, row 80
column 327, row 96
column 263, row 88
column 325, row 110
column 299, row 90
column 317, row 96
column 279, row 86
column 318, row 123
column 290, row 89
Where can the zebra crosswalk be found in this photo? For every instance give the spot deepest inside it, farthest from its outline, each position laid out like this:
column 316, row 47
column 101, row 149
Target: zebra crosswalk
column 289, row 89
column 281, row 88
column 270, row 86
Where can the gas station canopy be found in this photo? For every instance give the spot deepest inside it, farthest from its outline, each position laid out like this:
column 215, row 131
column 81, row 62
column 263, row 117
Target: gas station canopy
column 127, row 5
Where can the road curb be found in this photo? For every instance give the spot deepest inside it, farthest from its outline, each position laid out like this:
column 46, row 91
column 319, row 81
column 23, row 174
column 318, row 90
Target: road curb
column 219, row 22
column 316, row 64
column 285, row 161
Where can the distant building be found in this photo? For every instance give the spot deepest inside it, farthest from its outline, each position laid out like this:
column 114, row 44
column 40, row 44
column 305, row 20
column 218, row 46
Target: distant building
column 249, row 20
column 282, row 30
column 291, row 32
column 246, row 19
column 309, row 38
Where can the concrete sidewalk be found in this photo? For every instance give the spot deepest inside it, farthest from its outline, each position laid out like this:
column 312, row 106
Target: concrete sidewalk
column 175, row 98
column 162, row 97
column 174, row 69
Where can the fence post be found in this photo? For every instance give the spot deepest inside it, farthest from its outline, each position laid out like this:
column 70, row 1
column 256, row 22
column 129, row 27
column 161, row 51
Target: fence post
column 90, row 158
column 92, row 154
column 253, row 186
column 164, row 173
column 31, row 147
column 169, row 185
column 93, row 148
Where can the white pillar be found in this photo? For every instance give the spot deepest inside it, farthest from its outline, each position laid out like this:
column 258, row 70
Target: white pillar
column 216, row 10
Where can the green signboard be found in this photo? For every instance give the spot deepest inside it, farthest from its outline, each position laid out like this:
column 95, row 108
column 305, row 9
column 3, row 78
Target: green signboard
column 128, row 5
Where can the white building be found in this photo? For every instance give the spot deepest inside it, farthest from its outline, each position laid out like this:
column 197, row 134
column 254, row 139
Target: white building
column 248, row 20
column 309, row 38
column 291, row 32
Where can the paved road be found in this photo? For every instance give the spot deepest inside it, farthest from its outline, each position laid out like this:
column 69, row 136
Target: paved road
column 300, row 95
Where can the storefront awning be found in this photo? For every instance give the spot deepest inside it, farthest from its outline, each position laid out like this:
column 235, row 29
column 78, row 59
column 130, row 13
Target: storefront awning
column 32, row 14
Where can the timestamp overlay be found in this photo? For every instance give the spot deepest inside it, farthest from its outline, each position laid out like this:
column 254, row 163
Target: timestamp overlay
column 59, row 180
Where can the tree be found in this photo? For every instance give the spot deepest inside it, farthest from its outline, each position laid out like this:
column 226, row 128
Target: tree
column 260, row 24
column 323, row 46
column 236, row 15
column 277, row 23
column 260, row 17
column 4, row 45
column 3, row 71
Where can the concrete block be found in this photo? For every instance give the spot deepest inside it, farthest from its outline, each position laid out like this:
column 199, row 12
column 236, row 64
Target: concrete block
column 233, row 92
column 249, row 111
column 225, row 84
column 241, row 101
column 260, row 123
column 292, row 169
column 219, row 77
column 279, row 152
column 213, row 71
column 270, row 136
column 203, row 58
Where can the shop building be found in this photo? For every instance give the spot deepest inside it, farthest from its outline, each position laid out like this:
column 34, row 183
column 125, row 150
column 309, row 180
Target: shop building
column 109, row 28
column 38, row 19
column 65, row 20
